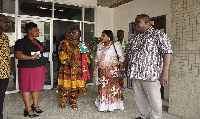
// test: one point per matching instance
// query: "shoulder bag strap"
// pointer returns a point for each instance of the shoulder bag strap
(116, 51)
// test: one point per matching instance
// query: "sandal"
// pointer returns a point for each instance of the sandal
(74, 107)
(62, 106)
(37, 111)
(26, 113)
(105, 111)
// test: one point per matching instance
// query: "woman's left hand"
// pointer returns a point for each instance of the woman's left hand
(45, 68)
(121, 76)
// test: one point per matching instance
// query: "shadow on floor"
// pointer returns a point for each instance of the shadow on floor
(49, 101)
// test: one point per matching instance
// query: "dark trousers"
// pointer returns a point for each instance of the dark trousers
(3, 87)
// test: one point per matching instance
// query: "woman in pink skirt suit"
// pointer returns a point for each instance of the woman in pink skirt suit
(31, 68)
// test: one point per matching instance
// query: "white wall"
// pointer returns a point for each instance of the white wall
(104, 20)
(126, 13)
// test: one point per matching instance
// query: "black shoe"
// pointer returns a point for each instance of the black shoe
(26, 113)
(139, 118)
(40, 111)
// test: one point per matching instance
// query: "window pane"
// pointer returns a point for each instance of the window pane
(12, 79)
(59, 30)
(89, 14)
(47, 75)
(88, 37)
(35, 8)
(89, 32)
(7, 6)
(67, 12)
(10, 32)
(61, 27)
(44, 29)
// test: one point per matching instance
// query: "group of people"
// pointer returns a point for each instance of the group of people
(145, 59)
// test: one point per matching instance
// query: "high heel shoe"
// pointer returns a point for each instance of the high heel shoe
(33, 108)
(26, 113)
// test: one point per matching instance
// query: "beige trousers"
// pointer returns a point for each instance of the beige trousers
(148, 98)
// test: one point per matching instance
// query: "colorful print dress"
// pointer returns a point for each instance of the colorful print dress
(109, 94)
(71, 81)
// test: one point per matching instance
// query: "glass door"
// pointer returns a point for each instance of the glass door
(45, 26)
(10, 32)
(60, 28)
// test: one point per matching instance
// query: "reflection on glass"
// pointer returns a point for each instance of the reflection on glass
(61, 27)
(46, 43)
(7, 8)
(67, 12)
(88, 37)
(59, 30)
(89, 14)
(44, 29)
(47, 76)
(89, 32)
(12, 80)
(10, 32)
(35, 8)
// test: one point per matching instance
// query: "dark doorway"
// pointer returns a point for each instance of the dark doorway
(159, 23)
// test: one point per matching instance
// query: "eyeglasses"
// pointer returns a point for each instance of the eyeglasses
(5, 21)
(74, 33)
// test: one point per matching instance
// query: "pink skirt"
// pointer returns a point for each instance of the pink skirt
(31, 79)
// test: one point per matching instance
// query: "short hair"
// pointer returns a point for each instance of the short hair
(109, 33)
(145, 16)
(118, 31)
(1, 15)
(76, 29)
(29, 26)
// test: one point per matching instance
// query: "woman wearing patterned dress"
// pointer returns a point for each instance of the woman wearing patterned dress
(73, 72)
(108, 59)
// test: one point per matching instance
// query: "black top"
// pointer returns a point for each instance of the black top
(26, 46)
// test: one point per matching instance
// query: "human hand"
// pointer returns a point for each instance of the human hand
(35, 57)
(121, 76)
(164, 79)
(72, 64)
(45, 68)
(94, 73)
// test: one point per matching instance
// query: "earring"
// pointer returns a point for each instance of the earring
(109, 39)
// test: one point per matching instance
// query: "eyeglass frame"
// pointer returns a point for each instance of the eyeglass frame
(3, 21)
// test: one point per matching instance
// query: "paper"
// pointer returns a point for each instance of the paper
(37, 53)
(83, 47)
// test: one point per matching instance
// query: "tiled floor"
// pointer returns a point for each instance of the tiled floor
(49, 101)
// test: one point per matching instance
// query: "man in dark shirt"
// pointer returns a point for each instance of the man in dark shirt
(5, 61)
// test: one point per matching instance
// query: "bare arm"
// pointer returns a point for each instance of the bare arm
(88, 53)
(125, 63)
(164, 76)
(95, 67)
(19, 55)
